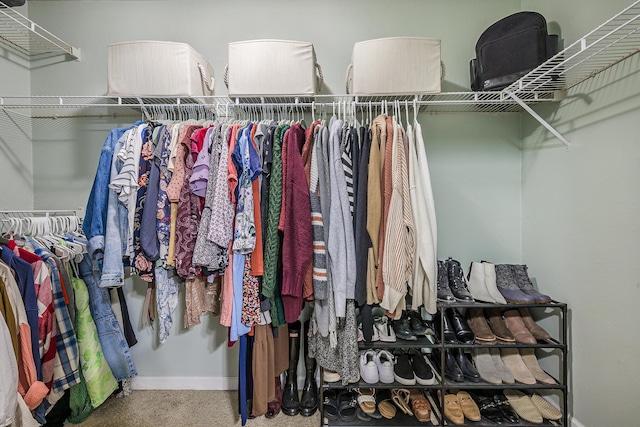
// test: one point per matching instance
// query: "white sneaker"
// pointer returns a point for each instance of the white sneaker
(369, 367)
(330, 376)
(383, 327)
(374, 337)
(384, 362)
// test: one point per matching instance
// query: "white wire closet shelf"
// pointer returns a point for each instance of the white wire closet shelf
(28, 38)
(615, 40)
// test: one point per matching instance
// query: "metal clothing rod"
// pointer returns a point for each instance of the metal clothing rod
(42, 211)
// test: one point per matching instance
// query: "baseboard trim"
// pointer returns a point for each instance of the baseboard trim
(184, 383)
(576, 423)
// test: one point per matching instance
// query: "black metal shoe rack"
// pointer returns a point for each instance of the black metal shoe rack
(556, 346)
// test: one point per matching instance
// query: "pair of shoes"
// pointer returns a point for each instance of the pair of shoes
(411, 368)
(495, 407)
(367, 404)
(376, 366)
(454, 327)
(418, 325)
(524, 366)
(451, 284)
(498, 325)
(482, 283)
(525, 407)
(457, 367)
(515, 285)
(419, 405)
(516, 326)
(479, 326)
(383, 329)
(402, 328)
(491, 367)
(460, 405)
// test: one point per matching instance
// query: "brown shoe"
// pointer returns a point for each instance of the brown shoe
(531, 362)
(533, 327)
(273, 407)
(452, 409)
(499, 328)
(518, 329)
(479, 326)
(469, 407)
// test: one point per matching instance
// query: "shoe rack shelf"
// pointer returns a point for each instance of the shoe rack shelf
(557, 345)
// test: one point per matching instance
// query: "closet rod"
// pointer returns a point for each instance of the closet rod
(42, 211)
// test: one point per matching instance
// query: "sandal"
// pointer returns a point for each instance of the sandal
(400, 397)
(367, 399)
(386, 408)
(347, 405)
(420, 405)
(330, 404)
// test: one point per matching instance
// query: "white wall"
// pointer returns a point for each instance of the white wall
(581, 234)
(475, 159)
(16, 164)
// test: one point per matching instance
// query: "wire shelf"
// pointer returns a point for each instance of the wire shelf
(490, 102)
(613, 41)
(28, 38)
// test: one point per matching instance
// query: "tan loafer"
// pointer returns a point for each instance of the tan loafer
(546, 409)
(452, 409)
(469, 407)
(522, 404)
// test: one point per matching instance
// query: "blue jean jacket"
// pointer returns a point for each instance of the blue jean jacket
(95, 219)
(111, 269)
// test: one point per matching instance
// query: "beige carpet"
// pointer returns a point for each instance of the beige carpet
(170, 408)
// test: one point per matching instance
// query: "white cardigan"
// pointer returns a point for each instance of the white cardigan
(425, 265)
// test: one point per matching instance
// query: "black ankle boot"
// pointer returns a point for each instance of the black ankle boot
(309, 400)
(290, 399)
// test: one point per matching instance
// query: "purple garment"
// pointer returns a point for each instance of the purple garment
(188, 216)
(200, 176)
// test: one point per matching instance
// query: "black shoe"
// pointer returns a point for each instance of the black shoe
(488, 408)
(290, 399)
(457, 282)
(464, 334)
(448, 335)
(468, 370)
(423, 373)
(444, 292)
(505, 408)
(451, 369)
(402, 369)
(418, 325)
(309, 399)
(403, 330)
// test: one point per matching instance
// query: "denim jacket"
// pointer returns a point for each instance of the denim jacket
(95, 219)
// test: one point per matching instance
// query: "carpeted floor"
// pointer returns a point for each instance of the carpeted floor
(170, 408)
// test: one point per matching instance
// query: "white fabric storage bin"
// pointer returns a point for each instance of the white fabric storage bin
(395, 65)
(271, 68)
(158, 69)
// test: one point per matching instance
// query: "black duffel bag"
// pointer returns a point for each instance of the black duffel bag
(509, 49)
(11, 3)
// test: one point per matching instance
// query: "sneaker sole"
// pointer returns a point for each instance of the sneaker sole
(405, 381)
(430, 381)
